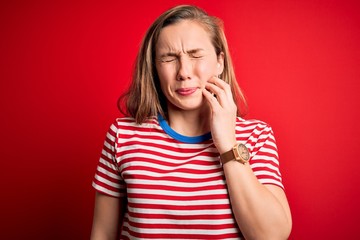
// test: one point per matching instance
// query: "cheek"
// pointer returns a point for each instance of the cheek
(165, 77)
(164, 85)
(166, 73)
(206, 70)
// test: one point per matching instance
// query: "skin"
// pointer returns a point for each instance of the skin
(107, 216)
(186, 63)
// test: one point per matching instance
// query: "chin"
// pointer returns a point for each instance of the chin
(192, 105)
(189, 103)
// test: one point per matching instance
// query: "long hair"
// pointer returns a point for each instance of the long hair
(144, 97)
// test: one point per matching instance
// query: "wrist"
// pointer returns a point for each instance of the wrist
(226, 146)
(238, 153)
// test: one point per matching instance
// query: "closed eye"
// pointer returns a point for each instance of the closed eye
(196, 55)
(168, 59)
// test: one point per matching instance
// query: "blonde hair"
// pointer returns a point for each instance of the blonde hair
(144, 97)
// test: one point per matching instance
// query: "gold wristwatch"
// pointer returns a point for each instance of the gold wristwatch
(239, 153)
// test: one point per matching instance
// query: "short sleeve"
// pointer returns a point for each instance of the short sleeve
(107, 179)
(264, 156)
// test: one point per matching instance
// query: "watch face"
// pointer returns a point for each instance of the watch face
(244, 152)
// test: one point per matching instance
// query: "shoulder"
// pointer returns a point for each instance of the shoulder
(129, 123)
(254, 131)
(252, 124)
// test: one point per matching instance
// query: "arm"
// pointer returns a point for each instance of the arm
(107, 217)
(261, 211)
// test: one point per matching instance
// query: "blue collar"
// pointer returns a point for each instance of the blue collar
(196, 139)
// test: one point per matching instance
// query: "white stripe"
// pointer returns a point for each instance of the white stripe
(166, 142)
(249, 130)
(142, 238)
(180, 212)
(108, 164)
(184, 230)
(265, 158)
(271, 181)
(156, 150)
(169, 168)
(149, 134)
(107, 173)
(267, 173)
(109, 146)
(111, 137)
(185, 222)
(180, 203)
(177, 193)
(133, 124)
(105, 190)
(107, 154)
(263, 137)
(107, 182)
(176, 184)
(270, 151)
(266, 165)
(250, 126)
(269, 143)
(167, 159)
(175, 174)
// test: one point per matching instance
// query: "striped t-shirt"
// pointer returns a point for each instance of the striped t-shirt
(173, 185)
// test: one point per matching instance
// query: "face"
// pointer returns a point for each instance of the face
(185, 61)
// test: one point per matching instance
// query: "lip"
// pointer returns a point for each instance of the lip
(186, 91)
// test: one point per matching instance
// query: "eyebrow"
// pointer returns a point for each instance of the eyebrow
(173, 54)
(194, 50)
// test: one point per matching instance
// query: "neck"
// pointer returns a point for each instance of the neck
(189, 123)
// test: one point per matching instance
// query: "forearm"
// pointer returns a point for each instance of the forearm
(108, 214)
(99, 234)
(258, 212)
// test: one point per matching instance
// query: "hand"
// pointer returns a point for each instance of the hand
(222, 113)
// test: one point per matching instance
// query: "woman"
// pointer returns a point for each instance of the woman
(183, 165)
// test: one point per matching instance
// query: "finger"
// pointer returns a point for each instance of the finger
(220, 93)
(213, 102)
(222, 90)
(223, 85)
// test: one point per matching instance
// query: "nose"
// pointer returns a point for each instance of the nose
(184, 69)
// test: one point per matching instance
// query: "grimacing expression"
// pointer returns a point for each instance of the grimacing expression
(185, 61)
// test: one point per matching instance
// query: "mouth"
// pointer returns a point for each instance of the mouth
(186, 91)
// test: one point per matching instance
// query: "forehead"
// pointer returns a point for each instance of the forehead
(184, 35)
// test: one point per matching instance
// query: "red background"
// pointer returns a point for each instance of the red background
(64, 64)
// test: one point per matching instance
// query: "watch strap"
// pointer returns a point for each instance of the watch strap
(234, 154)
(227, 156)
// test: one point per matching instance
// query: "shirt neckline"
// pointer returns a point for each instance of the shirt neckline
(182, 138)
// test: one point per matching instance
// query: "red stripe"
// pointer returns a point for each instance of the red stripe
(174, 179)
(169, 156)
(108, 187)
(178, 207)
(185, 188)
(181, 236)
(177, 226)
(175, 170)
(181, 217)
(178, 198)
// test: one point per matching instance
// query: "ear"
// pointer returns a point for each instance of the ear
(220, 63)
